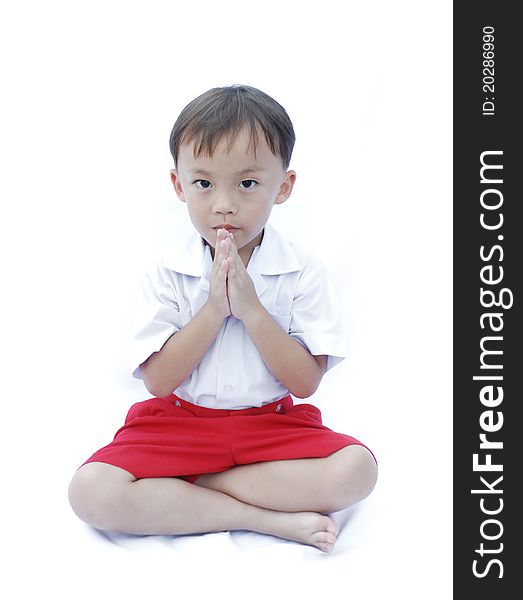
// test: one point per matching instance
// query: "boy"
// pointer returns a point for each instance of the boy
(233, 322)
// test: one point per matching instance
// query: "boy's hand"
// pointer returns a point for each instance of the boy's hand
(218, 299)
(243, 298)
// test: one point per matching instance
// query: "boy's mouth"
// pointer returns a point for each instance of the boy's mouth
(227, 227)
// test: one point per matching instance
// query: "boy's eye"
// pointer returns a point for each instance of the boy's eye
(248, 184)
(203, 184)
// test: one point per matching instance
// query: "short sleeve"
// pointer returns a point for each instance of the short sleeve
(156, 317)
(315, 321)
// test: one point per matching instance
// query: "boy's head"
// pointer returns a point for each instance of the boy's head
(223, 112)
(231, 148)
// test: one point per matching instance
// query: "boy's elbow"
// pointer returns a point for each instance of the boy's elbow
(152, 385)
(301, 395)
(306, 386)
(152, 382)
(305, 389)
(157, 389)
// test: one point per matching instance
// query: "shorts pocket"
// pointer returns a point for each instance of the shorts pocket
(308, 412)
(140, 409)
(156, 407)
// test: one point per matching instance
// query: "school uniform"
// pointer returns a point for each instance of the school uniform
(231, 410)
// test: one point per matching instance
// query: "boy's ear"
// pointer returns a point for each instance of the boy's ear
(177, 185)
(286, 187)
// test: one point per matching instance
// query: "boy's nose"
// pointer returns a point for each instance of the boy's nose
(223, 204)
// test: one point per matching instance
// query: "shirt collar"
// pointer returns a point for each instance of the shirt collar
(274, 256)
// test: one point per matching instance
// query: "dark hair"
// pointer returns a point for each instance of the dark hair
(224, 111)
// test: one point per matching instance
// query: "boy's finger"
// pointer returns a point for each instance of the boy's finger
(231, 241)
(221, 268)
(233, 249)
(218, 246)
(220, 251)
(225, 247)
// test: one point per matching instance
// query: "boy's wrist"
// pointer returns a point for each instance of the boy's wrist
(212, 313)
(254, 315)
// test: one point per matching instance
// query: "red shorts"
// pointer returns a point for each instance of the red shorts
(169, 437)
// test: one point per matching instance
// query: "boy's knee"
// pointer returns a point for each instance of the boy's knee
(366, 470)
(94, 493)
(356, 473)
(361, 471)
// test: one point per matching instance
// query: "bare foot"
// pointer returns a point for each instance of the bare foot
(308, 528)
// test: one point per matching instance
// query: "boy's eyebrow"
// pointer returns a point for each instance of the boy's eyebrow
(253, 169)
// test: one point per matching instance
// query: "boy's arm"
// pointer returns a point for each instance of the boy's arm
(165, 370)
(289, 361)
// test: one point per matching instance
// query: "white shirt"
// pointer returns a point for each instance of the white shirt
(291, 285)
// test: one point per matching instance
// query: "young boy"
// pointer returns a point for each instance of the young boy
(233, 322)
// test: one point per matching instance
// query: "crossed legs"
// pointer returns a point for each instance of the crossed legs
(283, 498)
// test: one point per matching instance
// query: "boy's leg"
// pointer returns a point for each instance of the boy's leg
(111, 498)
(318, 484)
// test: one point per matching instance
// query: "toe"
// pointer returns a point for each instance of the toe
(326, 546)
(324, 540)
(332, 528)
(330, 525)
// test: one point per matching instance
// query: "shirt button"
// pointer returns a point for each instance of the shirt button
(228, 388)
(177, 403)
(278, 408)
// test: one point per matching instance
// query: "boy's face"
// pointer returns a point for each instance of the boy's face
(232, 188)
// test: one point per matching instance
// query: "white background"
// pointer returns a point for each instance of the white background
(90, 93)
